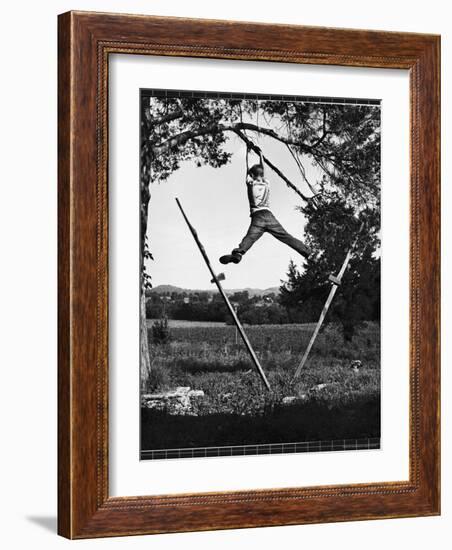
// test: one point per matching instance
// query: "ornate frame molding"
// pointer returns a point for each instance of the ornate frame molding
(85, 42)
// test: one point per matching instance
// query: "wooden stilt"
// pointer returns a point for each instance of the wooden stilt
(226, 299)
(335, 282)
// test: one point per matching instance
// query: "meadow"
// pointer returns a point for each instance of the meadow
(331, 399)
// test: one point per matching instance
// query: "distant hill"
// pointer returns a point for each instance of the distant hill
(164, 289)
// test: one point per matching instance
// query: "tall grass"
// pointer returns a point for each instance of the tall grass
(208, 358)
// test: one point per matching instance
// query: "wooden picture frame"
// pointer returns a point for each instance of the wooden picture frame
(85, 42)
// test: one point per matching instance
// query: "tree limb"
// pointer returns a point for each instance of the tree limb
(301, 169)
(183, 137)
(323, 136)
(275, 169)
(166, 118)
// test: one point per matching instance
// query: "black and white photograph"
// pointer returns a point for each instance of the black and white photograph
(259, 274)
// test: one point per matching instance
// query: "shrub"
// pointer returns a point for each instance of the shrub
(157, 379)
(160, 331)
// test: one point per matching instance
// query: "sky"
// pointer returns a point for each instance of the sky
(215, 201)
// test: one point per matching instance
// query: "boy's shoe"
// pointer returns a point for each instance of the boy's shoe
(307, 253)
(233, 258)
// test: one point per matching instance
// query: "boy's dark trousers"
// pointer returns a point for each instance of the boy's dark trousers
(263, 221)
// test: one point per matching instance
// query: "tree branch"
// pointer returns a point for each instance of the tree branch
(301, 169)
(166, 118)
(275, 169)
(183, 137)
(323, 136)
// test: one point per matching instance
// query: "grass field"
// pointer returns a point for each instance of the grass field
(332, 400)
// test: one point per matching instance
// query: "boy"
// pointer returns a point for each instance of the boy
(262, 219)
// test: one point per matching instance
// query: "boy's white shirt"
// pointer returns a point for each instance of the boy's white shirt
(258, 194)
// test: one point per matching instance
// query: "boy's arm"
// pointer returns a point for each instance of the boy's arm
(262, 161)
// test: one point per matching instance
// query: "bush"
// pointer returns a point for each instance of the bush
(158, 378)
(161, 332)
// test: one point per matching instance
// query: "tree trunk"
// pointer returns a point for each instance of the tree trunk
(145, 362)
(144, 344)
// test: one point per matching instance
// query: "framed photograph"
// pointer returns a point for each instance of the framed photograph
(248, 275)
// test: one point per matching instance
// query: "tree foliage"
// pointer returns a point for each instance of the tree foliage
(330, 231)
